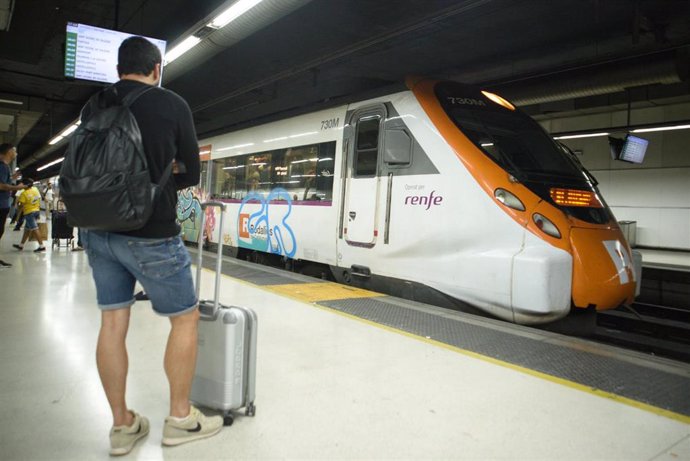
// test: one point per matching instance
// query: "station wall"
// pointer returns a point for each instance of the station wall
(656, 193)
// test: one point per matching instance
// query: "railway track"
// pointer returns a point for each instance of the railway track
(659, 330)
(658, 322)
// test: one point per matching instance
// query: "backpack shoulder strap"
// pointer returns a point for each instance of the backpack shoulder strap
(134, 95)
(167, 173)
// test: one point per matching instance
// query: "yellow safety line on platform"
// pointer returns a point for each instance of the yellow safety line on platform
(320, 291)
(302, 295)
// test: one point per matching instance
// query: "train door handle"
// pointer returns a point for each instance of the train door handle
(353, 215)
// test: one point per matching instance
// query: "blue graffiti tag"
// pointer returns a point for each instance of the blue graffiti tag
(188, 206)
(276, 241)
(189, 214)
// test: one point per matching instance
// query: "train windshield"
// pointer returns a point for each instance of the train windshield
(517, 143)
(512, 139)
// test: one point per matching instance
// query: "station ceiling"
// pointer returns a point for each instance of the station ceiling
(289, 56)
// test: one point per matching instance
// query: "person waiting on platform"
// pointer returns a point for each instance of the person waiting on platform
(30, 204)
(7, 155)
(167, 133)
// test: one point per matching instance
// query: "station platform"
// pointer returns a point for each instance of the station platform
(665, 259)
(342, 374)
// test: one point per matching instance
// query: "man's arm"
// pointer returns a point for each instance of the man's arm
(187, 150)
(10, 187)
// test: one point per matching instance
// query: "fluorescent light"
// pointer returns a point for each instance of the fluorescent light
(489, 144)
(11, 101)
(65, 132)
(69, 130)
(661, 128)
(235, 11)
(186, 45)
(575, 136)
(54, 162)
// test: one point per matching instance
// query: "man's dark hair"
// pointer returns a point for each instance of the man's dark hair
(5, 148)
(137, 56)
(28, 181)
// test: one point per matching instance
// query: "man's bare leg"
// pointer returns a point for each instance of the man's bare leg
(180, 360)
(113, 363)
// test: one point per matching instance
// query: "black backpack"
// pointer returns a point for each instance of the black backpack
(104, 179)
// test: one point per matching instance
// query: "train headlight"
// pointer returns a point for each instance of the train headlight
(546, 226)
(508, 199)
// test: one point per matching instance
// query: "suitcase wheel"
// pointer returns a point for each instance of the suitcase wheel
(250, 410)
(228, 419)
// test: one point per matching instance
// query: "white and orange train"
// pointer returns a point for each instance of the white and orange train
(438, 192)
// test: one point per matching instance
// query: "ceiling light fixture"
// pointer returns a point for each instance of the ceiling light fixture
(184, 46)
(65, 132)
(56, 140)
(233, 12)
(47, 165)
(11, 101)
(575, 136)
(661, 128)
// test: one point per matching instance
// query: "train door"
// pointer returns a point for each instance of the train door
(359, 225)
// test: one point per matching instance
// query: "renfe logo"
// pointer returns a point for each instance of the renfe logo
(424, 200)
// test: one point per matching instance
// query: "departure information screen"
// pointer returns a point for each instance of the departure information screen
(634, 149)
(91, 52)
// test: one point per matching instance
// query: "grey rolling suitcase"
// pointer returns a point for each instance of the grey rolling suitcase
(225, 377)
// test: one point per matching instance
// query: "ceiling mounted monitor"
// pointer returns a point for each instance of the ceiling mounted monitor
(631, 149)
(91, 52)
(634, 149)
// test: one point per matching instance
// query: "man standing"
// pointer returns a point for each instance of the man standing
(154, 255)
(30, 205)
(7, 155)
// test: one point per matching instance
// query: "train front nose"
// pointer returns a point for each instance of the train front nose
(603, 272)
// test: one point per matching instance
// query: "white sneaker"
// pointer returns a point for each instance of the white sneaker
(123, 438)
(194, 427)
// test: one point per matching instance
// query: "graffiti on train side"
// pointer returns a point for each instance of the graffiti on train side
(263, 223)
(189, 214)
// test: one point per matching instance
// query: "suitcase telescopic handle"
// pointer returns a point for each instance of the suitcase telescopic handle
(219, 258)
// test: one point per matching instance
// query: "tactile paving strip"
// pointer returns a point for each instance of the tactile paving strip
(256, 276)
(643, 384)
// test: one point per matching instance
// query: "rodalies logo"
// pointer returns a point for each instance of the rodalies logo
(267, 228)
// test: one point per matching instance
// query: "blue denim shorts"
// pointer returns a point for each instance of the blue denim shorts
(162, 266)
(31, 220)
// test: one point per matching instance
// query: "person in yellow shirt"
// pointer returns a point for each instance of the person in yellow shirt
(30, 202)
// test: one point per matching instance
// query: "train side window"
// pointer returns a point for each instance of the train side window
(258, 173)
(300, 168)
(227, 178)
(367, 145)
(325, 168)
(397, 148)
